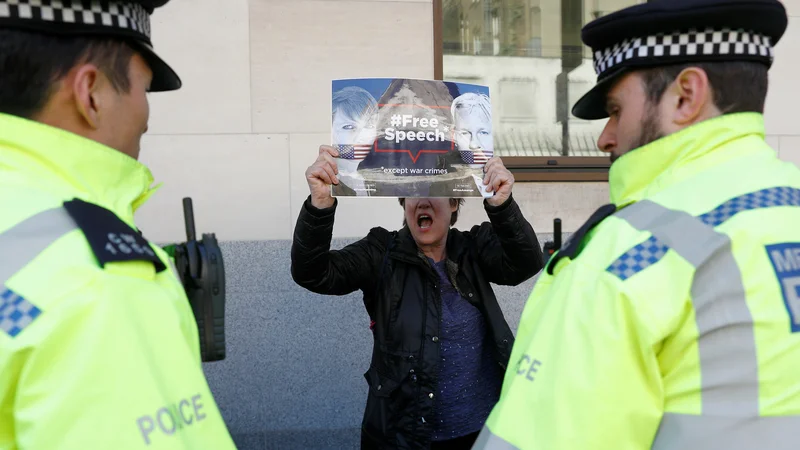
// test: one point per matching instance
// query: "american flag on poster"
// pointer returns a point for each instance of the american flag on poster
(354, 152)
(470, 157)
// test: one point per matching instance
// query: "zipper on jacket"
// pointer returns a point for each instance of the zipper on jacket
(437, 298)
(422, 350)
(435, 281)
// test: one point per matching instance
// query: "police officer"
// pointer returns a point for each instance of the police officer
(671, 319)
(98, 345)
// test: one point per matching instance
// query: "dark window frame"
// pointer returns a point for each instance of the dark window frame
(528, 168)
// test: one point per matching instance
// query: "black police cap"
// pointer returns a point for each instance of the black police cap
(665, 32)
(125, 19)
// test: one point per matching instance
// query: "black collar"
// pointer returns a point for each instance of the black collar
(406, 248)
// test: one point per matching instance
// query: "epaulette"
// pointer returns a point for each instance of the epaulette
(109, 236)
(572, 246)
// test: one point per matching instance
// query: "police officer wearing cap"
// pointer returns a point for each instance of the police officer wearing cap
(671, 319)
(98, 345)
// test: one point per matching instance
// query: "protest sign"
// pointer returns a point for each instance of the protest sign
(410, 137)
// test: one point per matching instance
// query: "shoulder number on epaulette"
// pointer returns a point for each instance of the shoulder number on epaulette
(111, 239)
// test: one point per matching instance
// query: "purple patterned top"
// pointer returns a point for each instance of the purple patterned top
(469, 379)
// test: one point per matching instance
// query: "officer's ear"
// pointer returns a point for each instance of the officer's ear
(88, 90)
(691, 97)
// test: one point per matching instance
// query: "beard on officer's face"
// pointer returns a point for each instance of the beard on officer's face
(649, 131)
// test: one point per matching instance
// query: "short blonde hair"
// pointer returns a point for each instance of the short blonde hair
(354, 102)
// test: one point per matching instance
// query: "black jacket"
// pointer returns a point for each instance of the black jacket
(402, 298)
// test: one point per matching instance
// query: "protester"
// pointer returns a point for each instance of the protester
(441, 341)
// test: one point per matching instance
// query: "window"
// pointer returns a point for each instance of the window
(530, 55)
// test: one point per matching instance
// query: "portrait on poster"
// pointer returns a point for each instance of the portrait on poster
(410, 137)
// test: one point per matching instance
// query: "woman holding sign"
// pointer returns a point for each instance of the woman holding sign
(441, 343)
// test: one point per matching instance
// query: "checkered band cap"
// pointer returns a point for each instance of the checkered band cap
(115, 15)
(121, 19)
(684, 46)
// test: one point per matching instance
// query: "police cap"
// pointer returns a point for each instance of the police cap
(125, 19)
(665, 32)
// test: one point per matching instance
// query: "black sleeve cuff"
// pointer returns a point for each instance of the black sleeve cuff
(320, 213)
(493, 210)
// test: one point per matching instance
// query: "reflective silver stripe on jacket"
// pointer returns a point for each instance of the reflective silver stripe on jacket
(651, 251)
(20, 244)
(727, 349)
(489, 441)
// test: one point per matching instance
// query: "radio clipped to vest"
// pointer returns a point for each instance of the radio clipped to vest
(202, 273)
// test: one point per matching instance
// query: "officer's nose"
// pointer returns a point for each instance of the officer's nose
(608, 138)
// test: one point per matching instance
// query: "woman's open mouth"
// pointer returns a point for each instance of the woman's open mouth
(424, 221)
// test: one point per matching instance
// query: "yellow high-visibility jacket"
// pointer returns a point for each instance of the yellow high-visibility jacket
(670, 320)
(99, 347)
